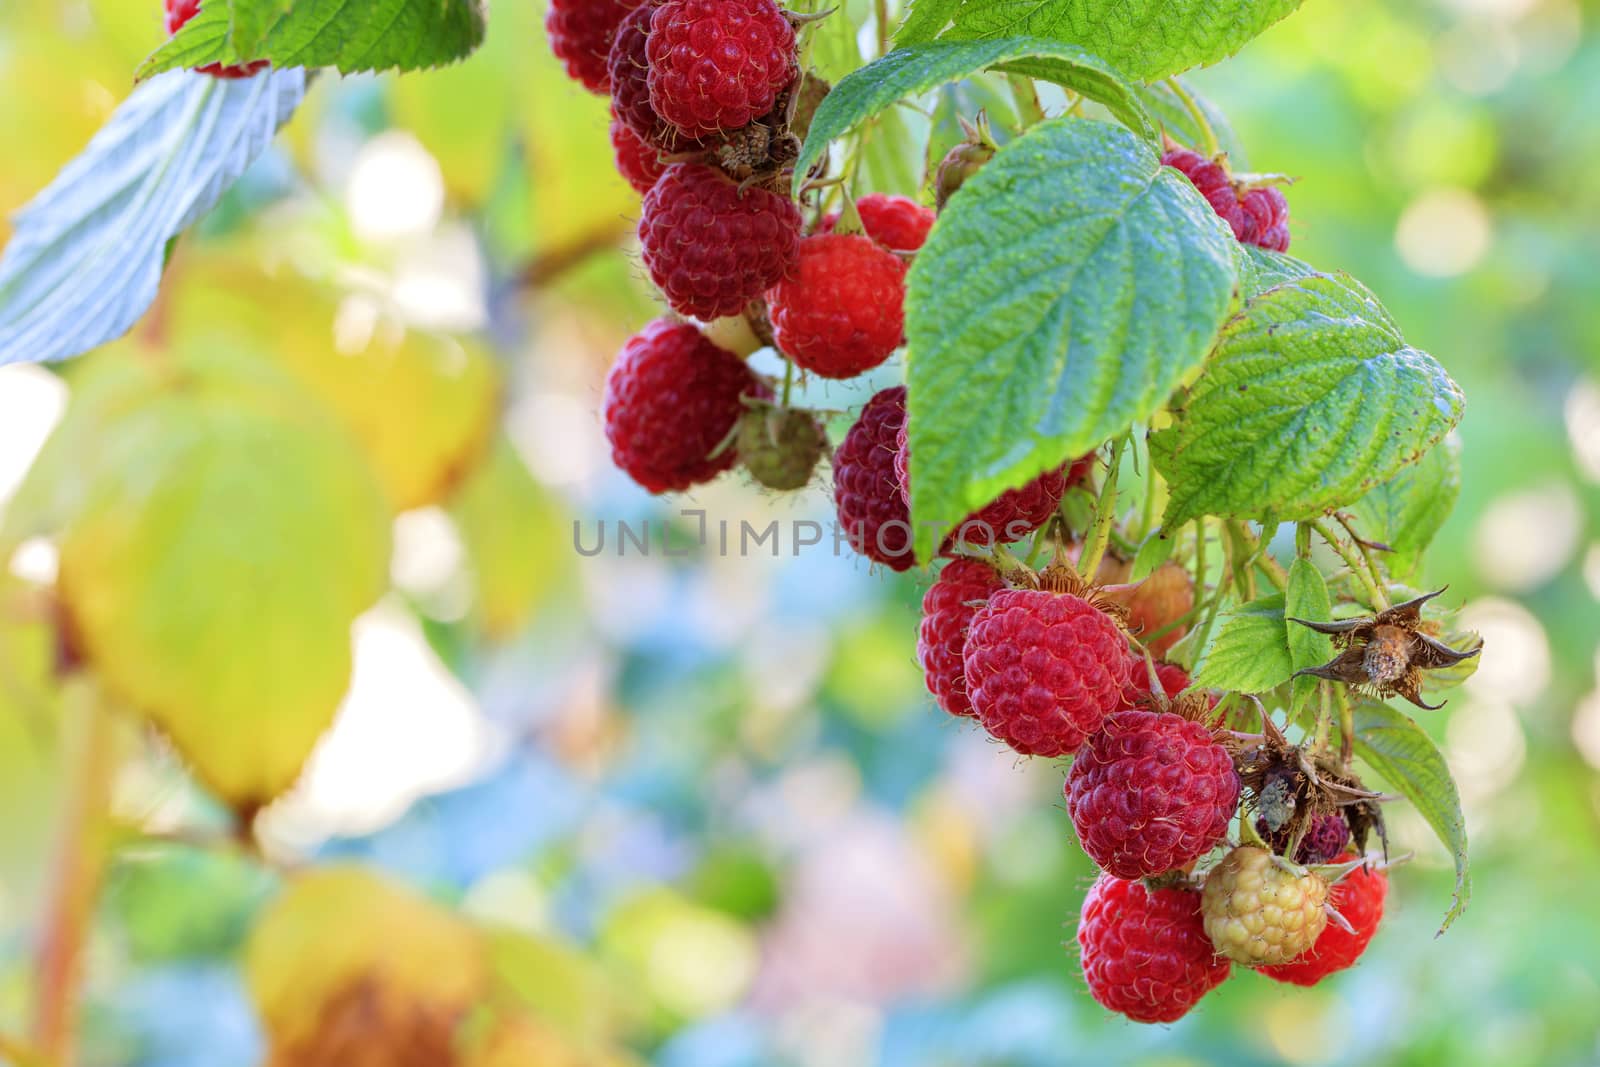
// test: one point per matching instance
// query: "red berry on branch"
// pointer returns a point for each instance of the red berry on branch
(629, 70)
(1145, 952)
(581, 32)
(841, 311)
(898, 223)
(947, 609)
(1044, 669)
(179, 12)
(672, 399)
(866, 492)
(1150, 792)
(638, 162)
(712, 247)
(1358, 899)
(1257, 216)
(718, 65)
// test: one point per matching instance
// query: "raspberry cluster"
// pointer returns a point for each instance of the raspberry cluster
(1257, 214)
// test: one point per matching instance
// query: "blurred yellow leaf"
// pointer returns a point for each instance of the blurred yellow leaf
(220, 535)
(512, 531)
(559, 986)
(422, 405)
(345, 965)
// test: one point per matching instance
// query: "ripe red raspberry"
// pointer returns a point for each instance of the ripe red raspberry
(628, 66)
(947, 608)
(718, 64)
(842, 310)
(179, 12)
(1258, 216)
(866, 492)
(581, 32)
(1044, 669)
(1145, 952)
(712, 247)
(637, 161)
(671, 399)
(1012, 515)
(1174, 680)
(1149, 792)
(1359, 899)
(898, 223)
(1325, 839)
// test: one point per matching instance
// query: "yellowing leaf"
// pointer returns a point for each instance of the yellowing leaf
(341, 939)
(513, 533)
(422, 405)
(223, 535)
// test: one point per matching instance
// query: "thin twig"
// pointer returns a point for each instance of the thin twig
(1375, 594)
(552, 263)
(1212, 145)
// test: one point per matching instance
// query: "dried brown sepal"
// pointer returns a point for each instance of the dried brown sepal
(1387, 654)
(368, 1026)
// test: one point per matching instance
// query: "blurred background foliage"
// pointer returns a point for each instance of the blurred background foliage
(700, 808)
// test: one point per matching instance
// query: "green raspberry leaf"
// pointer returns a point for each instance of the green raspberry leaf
(1398, 749)
(909, 71)
(1249, 650)
(88, 252)
(348, 36)
(1063, 295)
(1145, 39)
(1155, 551)
(1261, 269)
(1407, 510)
(925, 20)
(1311, 399)
(1306, 597)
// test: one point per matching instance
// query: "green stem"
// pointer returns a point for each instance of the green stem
(1147, 513)
(1027, 98)
(1375, 594)
(1324, 715)
(1361, 546)
(788, 381)
(1347, 728)
(1212, 145)
(882, 12)
(1105, 513)
(1199, 557)
(1241, 556)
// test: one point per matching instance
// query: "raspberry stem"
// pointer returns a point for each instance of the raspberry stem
(1105, 512)
(1212, 145)
(1375, 594)
(1027, 97)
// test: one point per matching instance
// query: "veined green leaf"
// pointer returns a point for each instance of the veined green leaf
(1249, 649)
(1071, 285)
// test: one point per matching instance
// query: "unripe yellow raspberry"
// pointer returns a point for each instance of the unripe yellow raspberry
(1262, 910)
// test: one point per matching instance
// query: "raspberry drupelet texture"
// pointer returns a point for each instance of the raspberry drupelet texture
(638, 162)
(581, 32)
(1325, 839)
(179, 12)
(841, 311)
(1359, 898)
(671, 399)
(947, 609)
(1174, 680)
(1012, 515)
(629, 68)
(1258, 216)
(1149, 792)
(1259, 911)
(1145, 952)
(1044, 669)
(718, 65)
(866, 491)
(712, 247)
(898, 223)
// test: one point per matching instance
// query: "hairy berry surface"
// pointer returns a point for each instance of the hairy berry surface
(671, 399)
(718, 65)
(866, 491)
(947, 609)
(581, 32)
(712, 247)
(637, 161)
(1145, 952)
(1258, 912)
(1258, 216)
(1044, 669)
(1359, 899)
(1150, 792)
(898, 223)
(841, 311)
